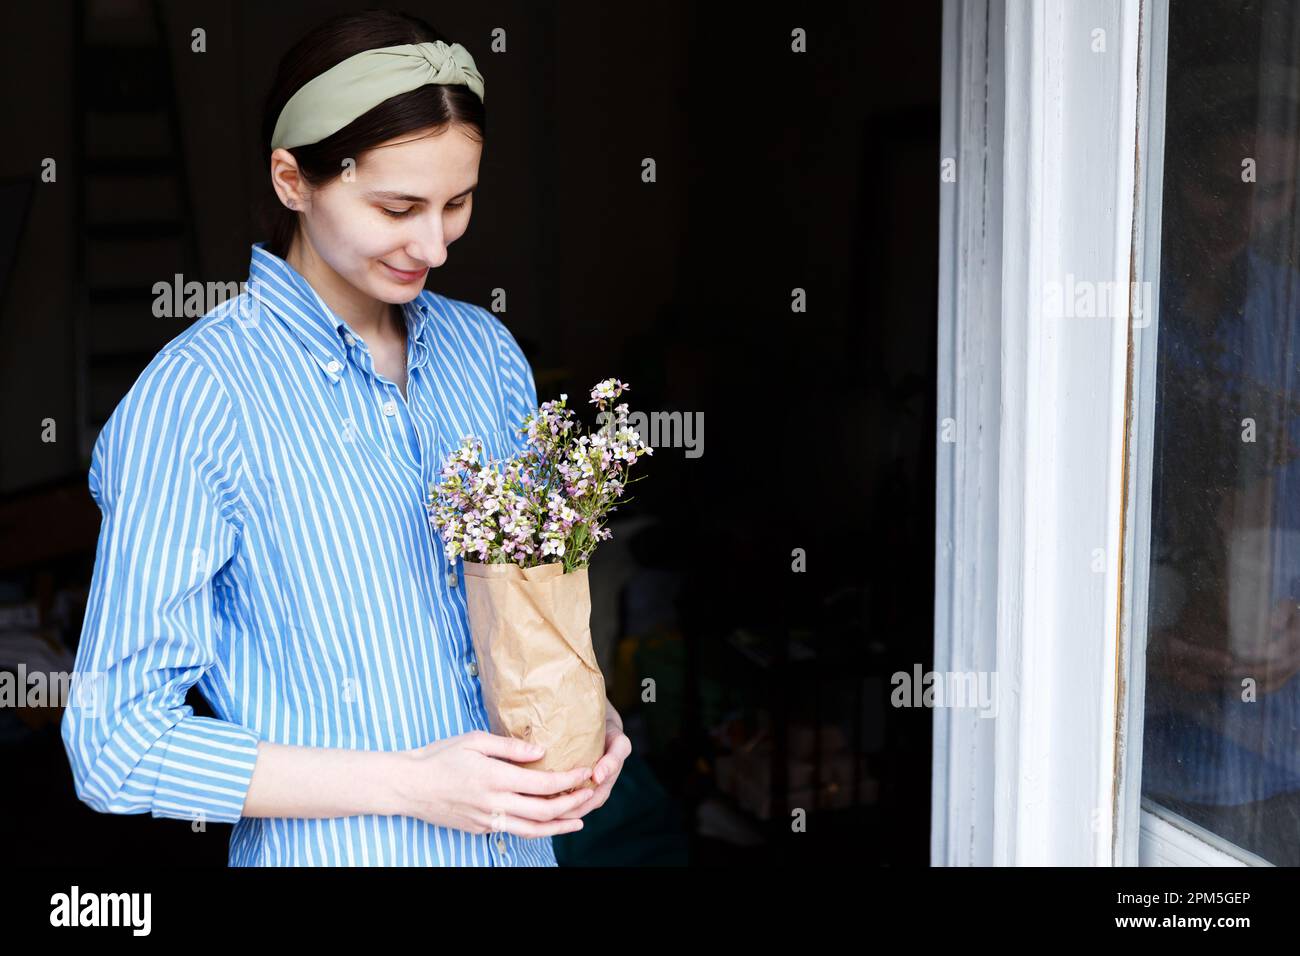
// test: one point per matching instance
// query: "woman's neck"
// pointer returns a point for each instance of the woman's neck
(369, 318)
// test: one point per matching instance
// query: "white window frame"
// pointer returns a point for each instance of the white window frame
(1046, 434)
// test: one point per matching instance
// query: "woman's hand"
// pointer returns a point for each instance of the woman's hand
(1186, 657)
(1281, 658)
(468, 783)
(608, 767)
(1175, 655)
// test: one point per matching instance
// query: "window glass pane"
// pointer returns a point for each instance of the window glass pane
(1222, 733)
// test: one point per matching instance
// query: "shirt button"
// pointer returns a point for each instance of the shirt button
(501, 844)
(472, 667)
(334, 365)
(390, 407)
(350, 339)
(452, 580)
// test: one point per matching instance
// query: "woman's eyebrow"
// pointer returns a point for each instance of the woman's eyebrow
(407, 197)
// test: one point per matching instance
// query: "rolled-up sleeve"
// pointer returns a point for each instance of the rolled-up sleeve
(167, 474)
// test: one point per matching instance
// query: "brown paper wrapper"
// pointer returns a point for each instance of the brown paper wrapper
(531, 629)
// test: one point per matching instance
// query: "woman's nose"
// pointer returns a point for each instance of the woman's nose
(428, 247)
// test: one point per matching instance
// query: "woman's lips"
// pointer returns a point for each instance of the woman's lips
(404, 275)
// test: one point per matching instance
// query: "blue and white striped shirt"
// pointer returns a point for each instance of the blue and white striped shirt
(264, 537)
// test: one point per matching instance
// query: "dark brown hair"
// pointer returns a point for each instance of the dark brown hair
(435, 106)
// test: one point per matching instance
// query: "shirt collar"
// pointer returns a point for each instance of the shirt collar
(283, 290)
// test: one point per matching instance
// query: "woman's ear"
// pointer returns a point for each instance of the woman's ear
(286, 180)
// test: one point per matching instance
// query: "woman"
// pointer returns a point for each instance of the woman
(262, 486)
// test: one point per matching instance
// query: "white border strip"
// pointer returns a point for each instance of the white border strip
(1146, 268)
(970, 212)
(1070, 142)
(1039, 458)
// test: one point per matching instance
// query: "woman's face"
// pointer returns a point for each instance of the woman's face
(383, 225)
(1223, 214)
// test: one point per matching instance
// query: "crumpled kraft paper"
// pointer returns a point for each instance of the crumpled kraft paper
(531, 629)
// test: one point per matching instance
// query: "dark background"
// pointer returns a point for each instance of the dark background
(775, 171)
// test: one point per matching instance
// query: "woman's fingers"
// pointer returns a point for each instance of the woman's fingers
(515, 779)
(542, 809)
(607, 769)
(598, 798)
(502, 822)
(539, 782)
(507, 748)
(1284, 612)
(617, 749)
(1197, 655)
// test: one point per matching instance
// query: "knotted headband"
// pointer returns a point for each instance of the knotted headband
(329, 102)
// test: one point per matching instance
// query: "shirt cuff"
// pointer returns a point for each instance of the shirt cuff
(205, 772)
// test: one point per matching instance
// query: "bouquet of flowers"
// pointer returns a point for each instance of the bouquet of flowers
(526, 528)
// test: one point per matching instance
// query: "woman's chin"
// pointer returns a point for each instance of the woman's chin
(395, 293)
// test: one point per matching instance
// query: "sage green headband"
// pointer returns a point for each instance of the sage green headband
(329, 102)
